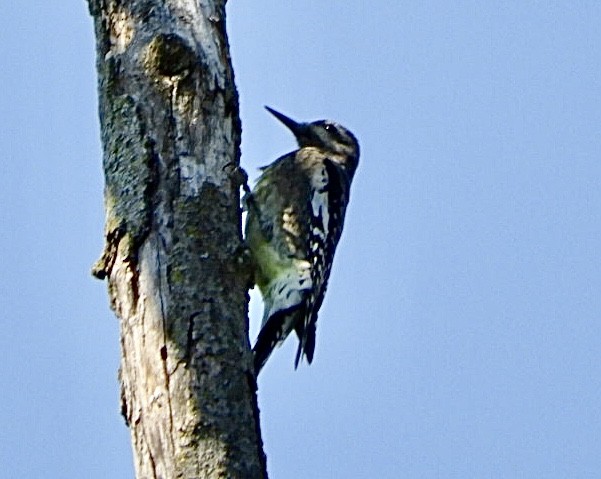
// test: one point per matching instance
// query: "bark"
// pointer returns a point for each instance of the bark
(173, 255)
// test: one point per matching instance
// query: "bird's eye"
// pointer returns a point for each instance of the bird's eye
(328, 127)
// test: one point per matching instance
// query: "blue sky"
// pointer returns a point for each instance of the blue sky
(461, 333)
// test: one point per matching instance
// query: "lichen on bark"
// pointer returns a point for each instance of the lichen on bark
(129, 179)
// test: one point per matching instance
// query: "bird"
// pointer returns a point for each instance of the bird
(295, 217)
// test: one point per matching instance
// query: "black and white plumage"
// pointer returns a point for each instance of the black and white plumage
(295, 219)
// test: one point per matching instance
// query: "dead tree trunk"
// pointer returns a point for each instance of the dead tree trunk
(172, 258)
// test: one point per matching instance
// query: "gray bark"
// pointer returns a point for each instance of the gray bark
(173, 255)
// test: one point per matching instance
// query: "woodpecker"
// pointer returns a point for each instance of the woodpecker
(295, 218)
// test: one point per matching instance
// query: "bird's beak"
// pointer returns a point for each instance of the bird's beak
(296, 128)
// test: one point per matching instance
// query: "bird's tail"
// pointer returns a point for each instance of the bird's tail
(273, 333)
(306, 342)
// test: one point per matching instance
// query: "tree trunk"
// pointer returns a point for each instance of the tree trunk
(173, 256)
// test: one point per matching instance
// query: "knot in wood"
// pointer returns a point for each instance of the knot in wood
(170, 55)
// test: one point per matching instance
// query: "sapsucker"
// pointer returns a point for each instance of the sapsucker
(295, 219)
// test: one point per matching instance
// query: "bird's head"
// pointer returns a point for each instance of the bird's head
(326, 135)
